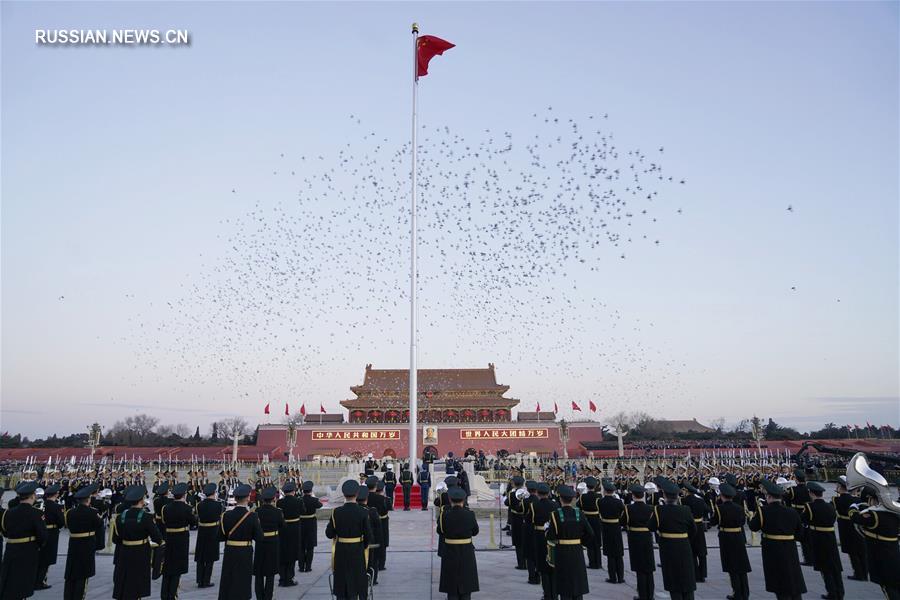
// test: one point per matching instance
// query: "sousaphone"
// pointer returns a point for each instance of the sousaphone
(860, 474)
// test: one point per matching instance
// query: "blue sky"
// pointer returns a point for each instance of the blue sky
(118, 165)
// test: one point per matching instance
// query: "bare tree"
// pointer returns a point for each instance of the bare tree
(621, 421)
(182, 431)
(164, 430)
(718, 424)
(142, 425)
(742, 426)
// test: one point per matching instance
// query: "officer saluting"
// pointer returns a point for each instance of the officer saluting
(308, 527)
(131, 531)
(459, 571)
(239, 528)
(675, 524)
(568, 530)
(730, 518)
(780, 526)
(206, 550)
(23, 527)
(54, 521)
(83, 523)
(177, 518)
(266, 561)
(350, 534)
(289, 552)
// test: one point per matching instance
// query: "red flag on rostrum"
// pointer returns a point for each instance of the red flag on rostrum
(555, 407)
(321, 408)
(575, 406)
(592, 406)
(287, 411)
(266, 409)
(303, 409)
(427, 47)
(538, 407)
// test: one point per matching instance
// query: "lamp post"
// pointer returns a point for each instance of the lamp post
(94, 439)
(564, 438)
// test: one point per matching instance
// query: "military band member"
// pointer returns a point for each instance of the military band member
(819, 517)
(83, 523)
(568, 530)
(308, 527)
(424, 480)
(350, 535)
(636, 520)
(362, 498)
(379, 501)
(881, 528)
(159, 501)
(54, 520)
(515, 518)
(797, 497)
(852, 543)
(730, 519)
(534, 576)
(700, 510)
(206, 550)
(132, 531)
(780, 527)
(290, 552)
(588, 504)
(539, 517)
(406, 481)
(390, 482)
(266, 561)
(23, 527)
(177, 519)
(675, 525)
(238, 528)
(611, 510)
(459, 570)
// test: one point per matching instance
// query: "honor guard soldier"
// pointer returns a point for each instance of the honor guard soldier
(797, 497)
(133, 529)
(350, 534)
(611, 510)
(406, 481)
(238, 528)
(177, 518)
(371, 465)
(159, 501)
(636, 520)
(540, 516)
(380, 502)
(390, 482)
(730, 518)
(515, 518)
(700, 509)
(819, 517)
(54, 520)
(852, 543)
(23, 527)
(880, 528)
(588, 504)
(534, 577)
(362, 498)
(206, 551)
(780, 527)
(292, 508)
(83, 523)
(266, 561)
(308, 527)
(567, 532)
(675, 525)
(459, 570)
(424, 479)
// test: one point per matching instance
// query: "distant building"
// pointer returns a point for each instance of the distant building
(660, 427)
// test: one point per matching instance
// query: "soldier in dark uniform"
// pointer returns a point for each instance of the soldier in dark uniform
(819, 517)
(23, 527)
(54, 520)
(700, 510)
(730, 518)
(266, 561)
(636, 520)
(380, 502)
(159, 501)
(370, 466)
(459, 570)
(424, 479)
(83, 523)
(534, 577)
(390, 482)
(882, 553)
(611, 509)
(780, 527)
(293, 510)
(515, 519)
(308, 527)
(362, 498)
(852, 543)
(675, 525)
(350, 535)
(540, 516)
(206, 550)
(588, 504)
(131, 531)
(238, 528)
(406, 481)
(797, 497)
(568, 530)
(177, 519)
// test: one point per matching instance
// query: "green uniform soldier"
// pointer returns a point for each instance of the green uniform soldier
(636, 520)
(675, 525)
(206, 549)
(350, 535)
(568, 530)
(177, 518)
(730, 518)
(238, 528)
(83, 522)
(266, 562)
(290, 551)
(133, 529)
(459, 570)
(54, 520)
(23, 527)
(781, 527)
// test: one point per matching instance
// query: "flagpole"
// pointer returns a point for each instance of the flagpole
(413, 372)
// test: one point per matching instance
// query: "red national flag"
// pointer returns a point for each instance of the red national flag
(538, 407)
(592, 406)
(287, 411)
(575, 406)
(322, 408)
(427, 47)
(555, 408)
(303, 409)
(266, 409)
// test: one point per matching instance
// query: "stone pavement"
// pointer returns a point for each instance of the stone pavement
(413, 571)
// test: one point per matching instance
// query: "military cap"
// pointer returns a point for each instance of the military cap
(608, 486)
(51, 490)
(135, 493)
(163, 488)
(268, 494)
(451, 481)
(26, 488)
(727, 490)
(308, 486)
(543, 488)
(518, 480)
(180, 490)
(363, 493)
(566, 492)
(242, 491)
(290, 486)
(350, 488)
(371, 482)
(686, 485)
(531, 485)
(379, 486)
(730, 479)
(456, 494)
(813, 486)
(85, 492)
(800, 474)
(590, 481)
(637, 489)
(209, 489)
(772, 488)
(667, 486)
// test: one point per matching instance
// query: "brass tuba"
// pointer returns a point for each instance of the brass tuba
(860, 474)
